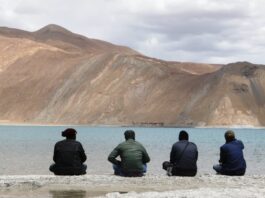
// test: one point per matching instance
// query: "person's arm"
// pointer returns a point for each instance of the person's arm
(112, 156)
(54, 154)
(82, 153)
(172, 155)
(146, 157)
(222, 155)
(242, 145)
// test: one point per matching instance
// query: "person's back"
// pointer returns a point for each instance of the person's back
(186, 160)
(69, 156)
(133, 158)
(68, 153)
(183, 157)
(232, 160)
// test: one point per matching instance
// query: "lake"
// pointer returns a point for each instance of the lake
(28, 150)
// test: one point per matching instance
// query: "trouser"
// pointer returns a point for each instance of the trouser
(220, 170)
(177, 171)
(59, 170)
(118, 171)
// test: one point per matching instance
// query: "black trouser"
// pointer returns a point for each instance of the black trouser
(59, 170)
(176, 171)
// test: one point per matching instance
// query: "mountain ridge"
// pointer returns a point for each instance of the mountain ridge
(54, 76)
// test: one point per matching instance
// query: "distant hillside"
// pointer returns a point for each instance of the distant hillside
(54, 76)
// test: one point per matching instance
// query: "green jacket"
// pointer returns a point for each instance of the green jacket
(133, 155)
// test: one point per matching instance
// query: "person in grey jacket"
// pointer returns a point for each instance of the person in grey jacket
(133, 157)
(69, 155)
(183, 157)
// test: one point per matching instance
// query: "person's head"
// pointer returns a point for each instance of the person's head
(183, 135)
(129, 134)
(69, 133)
(229, 136)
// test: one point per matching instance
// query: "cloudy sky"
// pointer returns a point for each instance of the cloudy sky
(210, 31)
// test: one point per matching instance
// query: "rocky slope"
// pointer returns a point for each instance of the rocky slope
(55, 76)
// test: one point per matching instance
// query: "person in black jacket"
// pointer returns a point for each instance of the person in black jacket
(183, 157)
(69, 155)
(232, 160)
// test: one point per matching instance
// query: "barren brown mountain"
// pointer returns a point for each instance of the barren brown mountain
(53, 76)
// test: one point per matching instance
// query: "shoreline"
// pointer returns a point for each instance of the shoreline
(202, 185)
(131, 126)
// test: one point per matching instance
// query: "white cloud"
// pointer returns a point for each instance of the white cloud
(218, 31)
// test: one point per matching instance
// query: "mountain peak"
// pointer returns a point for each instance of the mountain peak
(52, 28)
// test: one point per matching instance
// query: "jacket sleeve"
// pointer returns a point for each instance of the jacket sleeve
(112, 156)
(222, 155)
(82, 153)
(55, 154)
(242, 145)
(172, 155)
(146, 157)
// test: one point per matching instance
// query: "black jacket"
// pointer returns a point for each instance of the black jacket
(186, 160)
(69, 156)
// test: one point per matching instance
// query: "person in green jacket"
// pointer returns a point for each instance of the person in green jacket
(133, 157)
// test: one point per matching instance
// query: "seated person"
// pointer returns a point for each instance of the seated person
(232, 160)
(133, 157)
(183, 157)
(69, 155)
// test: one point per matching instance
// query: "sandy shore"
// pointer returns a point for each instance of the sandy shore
(148, 186)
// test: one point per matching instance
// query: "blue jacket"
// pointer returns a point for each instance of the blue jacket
(232, 158)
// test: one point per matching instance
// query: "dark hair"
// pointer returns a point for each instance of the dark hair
(69, 133)
(129, 134)
(229, 136)
(183, 135)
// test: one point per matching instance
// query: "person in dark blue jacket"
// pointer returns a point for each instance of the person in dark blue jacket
(183, 157)
(232, 160)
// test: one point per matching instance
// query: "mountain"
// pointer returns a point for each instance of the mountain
(54, 76)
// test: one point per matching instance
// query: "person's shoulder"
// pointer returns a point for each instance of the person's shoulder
(225, 145)
(193, 144)
(139, 143)
(60, 142)
(136, 142)
(121, 144)
(239, 141)
(176, 144)
(77, 142)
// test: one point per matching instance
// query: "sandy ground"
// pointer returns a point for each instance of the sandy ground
(40, 186)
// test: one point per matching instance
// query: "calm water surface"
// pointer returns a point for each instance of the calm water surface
(29, 149)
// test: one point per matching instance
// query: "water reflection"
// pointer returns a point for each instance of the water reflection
(68, 194)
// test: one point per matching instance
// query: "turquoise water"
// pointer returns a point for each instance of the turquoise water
(29, 149)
